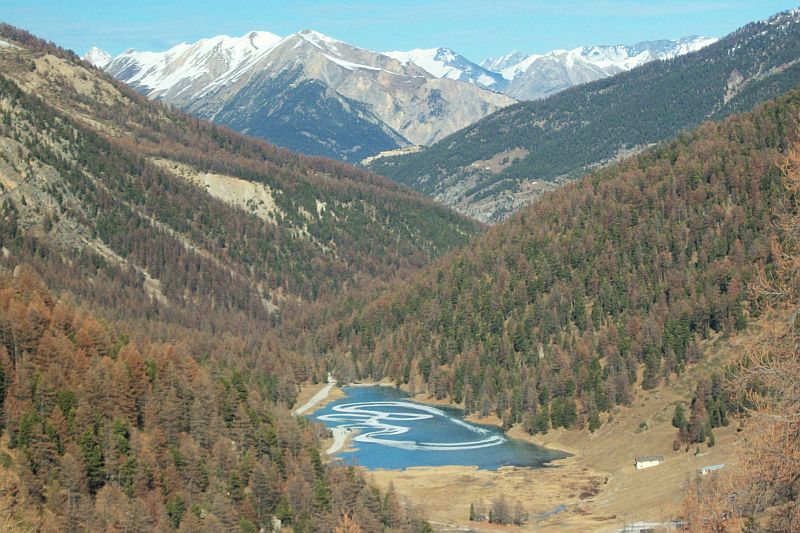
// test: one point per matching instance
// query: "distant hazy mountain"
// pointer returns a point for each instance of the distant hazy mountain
(497, 64)
(492, 168)
(530, 77)
(308, 92)
(445, 63)
(538, 76)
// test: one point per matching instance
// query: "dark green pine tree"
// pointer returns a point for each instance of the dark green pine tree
(679, 418)
(594, 420)
(93, 459)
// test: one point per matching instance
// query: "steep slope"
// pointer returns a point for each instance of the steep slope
(539, 76)
(760, 493)
(109, 428)
(610, 284)
(97, 181)
(445, 63)
(308, 92)
(492, 168)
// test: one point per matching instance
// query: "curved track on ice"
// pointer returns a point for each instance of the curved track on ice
(376, 425)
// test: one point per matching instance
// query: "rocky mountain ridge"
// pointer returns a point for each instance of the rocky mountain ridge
(315, 94)
(308, 92)
(538, 76)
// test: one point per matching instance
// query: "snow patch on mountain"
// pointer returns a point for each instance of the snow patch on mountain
(349, 65)
(431, 59)
(497, 64)
(320, 40)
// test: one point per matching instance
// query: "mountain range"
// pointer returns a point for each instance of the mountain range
(492, 168)
(538, 76)
(307, 92)
(321, 96)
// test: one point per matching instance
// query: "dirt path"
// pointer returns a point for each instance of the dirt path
(339, 439)
(317, 398)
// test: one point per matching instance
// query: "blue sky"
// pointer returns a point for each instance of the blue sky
(475, 28)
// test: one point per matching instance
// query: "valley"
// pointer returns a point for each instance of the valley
(559, 294)
(597, 484)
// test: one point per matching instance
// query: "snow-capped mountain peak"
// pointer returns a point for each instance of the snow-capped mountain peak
(538, 76)
(97, 57)
(319, 39)
(214, 60)
(498, 64)
(298, 89)
(445, 63)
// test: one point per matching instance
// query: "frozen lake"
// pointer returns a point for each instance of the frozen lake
(394, 432)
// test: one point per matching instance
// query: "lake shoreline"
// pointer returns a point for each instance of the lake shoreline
(342, 440)
(516, 431)
(411, 432)
(598, 485)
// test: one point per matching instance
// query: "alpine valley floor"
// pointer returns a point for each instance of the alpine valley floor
(598, 486)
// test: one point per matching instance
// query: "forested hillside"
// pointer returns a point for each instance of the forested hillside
(169, 210)
(107, 429)
(143, 255)
(761, 495)
(485, 170)
(609, 284)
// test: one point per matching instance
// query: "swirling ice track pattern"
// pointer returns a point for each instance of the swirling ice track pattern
(375, 425)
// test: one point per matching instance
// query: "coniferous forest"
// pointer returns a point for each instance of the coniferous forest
(547, 319)
(115, 431)
(143, 387)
